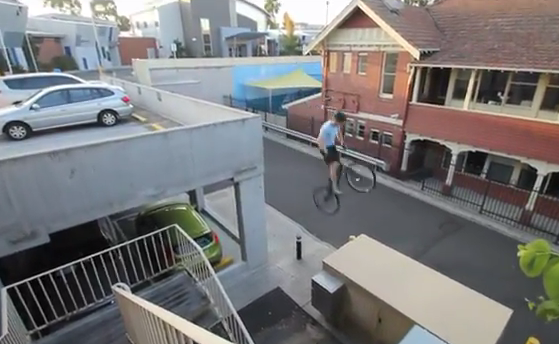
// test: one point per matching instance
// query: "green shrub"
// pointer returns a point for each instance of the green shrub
(64, 63)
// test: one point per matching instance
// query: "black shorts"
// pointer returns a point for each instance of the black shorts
(331, 155)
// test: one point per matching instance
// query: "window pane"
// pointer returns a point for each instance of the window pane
(492, 87)
(551, 99)
(53, 99)
(499, 172)
(82, 95)
(530, 78)
(207, 49)
(475, 163)
(390, 62)
(62, 80)
(206, 38)
(346, 58)
(387, 139)
(527, 178)
(554, 79)
(349, 127)
(333, 62)
(374, 136)
(521, 94)
(205, 24)
(360, 130)
(388, 84)
(362, 64)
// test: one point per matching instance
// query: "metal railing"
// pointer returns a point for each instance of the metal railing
(312, 141)
(46, 299)
(42, 301)
(193, 259)
(147, 323)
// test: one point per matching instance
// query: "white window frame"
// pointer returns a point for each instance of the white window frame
(352, 122)
(387, 133)
(206, 31)
(364, 126)
(360, 58)
(333, 62)
(346, 62)
(548, 84)
(371, 131)
(381, 93)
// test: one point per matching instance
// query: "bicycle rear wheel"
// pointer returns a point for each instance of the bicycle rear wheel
(326, 201)
(361, 178)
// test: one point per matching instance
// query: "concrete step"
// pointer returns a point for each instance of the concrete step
(177, 293)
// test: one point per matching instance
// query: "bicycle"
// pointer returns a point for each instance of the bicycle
(355, 174)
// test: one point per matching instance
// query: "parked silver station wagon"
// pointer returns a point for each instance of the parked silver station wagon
(65, 105)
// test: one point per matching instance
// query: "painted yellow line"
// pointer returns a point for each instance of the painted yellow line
(225, 262)
(157, 126)
(139, 118)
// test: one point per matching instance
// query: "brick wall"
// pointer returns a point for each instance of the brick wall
(135, 48)
(48, 48)
(515, 136)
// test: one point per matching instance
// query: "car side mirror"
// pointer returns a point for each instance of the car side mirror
(35, 107)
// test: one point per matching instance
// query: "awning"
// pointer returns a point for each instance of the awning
(246, 36)
(296, 79)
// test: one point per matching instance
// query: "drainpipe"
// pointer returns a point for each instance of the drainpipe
(325, 59)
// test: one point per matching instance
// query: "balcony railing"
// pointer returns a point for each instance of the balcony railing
(41, 302)
(147, 323)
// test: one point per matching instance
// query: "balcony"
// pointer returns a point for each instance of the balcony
(468, 107)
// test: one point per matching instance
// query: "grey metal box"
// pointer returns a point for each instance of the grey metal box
(327, 294)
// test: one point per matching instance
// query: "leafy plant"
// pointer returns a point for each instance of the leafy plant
(63, 62)
(73, 7)
(537, 259)
(107, 10)
(272, 7)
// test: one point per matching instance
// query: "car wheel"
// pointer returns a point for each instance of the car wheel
(17, 131)
(108, 118)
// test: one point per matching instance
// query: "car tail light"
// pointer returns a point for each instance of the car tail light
(216, 238)
(126, 99)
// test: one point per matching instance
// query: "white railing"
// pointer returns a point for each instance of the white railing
(46, 299)
(193, 259)
(147, 323)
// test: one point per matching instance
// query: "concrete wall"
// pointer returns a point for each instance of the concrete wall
(96, 180)
(231, 74)
(13, 20)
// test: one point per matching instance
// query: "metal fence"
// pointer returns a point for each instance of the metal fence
(504, 203)
(41, 302)
(266, 104)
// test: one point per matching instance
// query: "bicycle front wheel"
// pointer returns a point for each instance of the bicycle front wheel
(326, 201)
(360, 178)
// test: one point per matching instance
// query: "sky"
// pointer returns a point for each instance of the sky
(309, 11)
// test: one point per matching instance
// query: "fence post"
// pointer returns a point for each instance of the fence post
(423, 184)
(485, 193)
(231, 100)
(312, 126)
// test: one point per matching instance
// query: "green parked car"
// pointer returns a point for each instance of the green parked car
(184, 215)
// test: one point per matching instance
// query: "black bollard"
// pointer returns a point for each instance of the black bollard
(298, 248)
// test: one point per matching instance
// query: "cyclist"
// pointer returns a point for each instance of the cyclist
(329, 132)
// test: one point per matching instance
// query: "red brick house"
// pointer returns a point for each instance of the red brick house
(465, 89)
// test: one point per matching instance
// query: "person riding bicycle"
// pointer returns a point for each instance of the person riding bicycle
(329, 132)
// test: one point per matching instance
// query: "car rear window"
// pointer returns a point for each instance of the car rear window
(204, 240)
(38, 82)
(14, 84)
(104, 93)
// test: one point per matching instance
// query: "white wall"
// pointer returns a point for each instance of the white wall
(252, 13)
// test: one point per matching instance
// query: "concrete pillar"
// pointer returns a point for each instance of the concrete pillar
(447, 187)
(197, 198)
(406, 156)
(416, 84)
(528, 210)
(251, 219)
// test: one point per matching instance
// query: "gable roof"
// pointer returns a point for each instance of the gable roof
(508, 34)
(500, 34)
(411, 26)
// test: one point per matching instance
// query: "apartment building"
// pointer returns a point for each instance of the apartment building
(77, 37)
(467, 90)
(204, 27)
(13, 20)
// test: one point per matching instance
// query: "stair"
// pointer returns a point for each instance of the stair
(177, 293)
